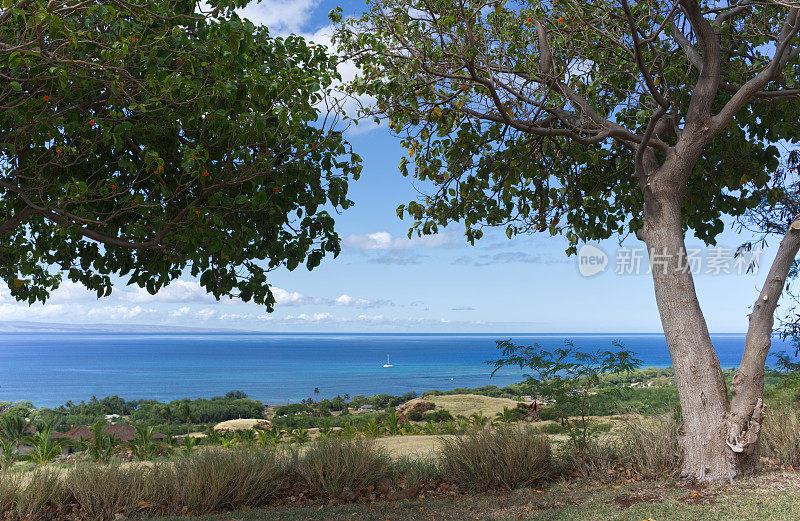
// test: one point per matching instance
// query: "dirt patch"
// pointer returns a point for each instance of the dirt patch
(636, 497)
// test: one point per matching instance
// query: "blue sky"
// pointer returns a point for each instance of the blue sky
(384, 282)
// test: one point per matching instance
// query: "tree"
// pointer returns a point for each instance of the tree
(102, 446)
(42, 448)
(149, 140)
(166, 413)
(595, 119)
(185, 409)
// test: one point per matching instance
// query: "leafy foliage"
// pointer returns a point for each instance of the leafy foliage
(525, 114)
(149, 140)
(568, 377)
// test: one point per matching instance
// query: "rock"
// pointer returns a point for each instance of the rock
(383, 486)
(407, 493)
(348, 495)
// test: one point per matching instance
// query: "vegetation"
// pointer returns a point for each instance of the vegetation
(330, 466)
(504, 457)
(150, 141)
(568, 378)
(606, 119)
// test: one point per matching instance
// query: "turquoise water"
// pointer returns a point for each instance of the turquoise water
(51, 368)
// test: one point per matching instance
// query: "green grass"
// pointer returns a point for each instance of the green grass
(770, 497)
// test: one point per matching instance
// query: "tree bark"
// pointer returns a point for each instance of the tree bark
(747, 388)
(701, 386)
(719, 438)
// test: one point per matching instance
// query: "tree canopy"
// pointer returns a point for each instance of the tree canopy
(528, 115)
(152, 139)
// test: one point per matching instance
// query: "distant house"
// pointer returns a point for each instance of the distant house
(365, 408)
(119, 432)
(112, 417)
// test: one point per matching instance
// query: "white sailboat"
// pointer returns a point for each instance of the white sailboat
(387, 364)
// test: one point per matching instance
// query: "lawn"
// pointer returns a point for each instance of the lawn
(770, 496)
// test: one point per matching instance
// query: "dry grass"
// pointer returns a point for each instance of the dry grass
(242, 424)
(503, 457)
(780, 434)
(466, 404)
(414, 447)
(649, 445)
(332, 465)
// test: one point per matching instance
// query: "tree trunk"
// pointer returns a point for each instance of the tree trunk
(701, 386)
(747, 388)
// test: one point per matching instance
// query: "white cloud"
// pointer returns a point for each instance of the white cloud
(117, 313)
(282, 17)
(304, 317)
(290, 298)
(178, 291)
(385, 241)
(206, 314)
(347, 300)
(181, 312)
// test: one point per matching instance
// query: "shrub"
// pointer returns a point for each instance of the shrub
(228, 479)
(649, 445)
(780, 434)
(442, 415)
(331, 465)
(503, 457)
(29, 495)
(409, 472)
(417, 411)
(103, 491)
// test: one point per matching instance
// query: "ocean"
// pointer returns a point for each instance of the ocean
(50, 368)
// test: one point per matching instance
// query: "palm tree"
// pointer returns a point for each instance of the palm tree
(392, 422)
(167, 415)
(189, 444)
(186, 412)
(143, 445)
(300, 436)
(102, 447)
(8, 454)
(43, 448)
(372, 428)
(13, 427)
(507, 416)
(478, 419)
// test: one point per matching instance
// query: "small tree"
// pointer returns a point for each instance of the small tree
(42, 448)
(102, 446)
(567, 377)
(185, 408)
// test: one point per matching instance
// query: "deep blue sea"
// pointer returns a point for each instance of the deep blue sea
(51, 368)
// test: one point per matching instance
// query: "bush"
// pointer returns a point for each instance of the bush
(504, 457)
(102, 491)
(410, 472)
(331, 465)
(780, 434)
(228, 479)
(29, 495)
(442, 415)
(649, 445)
(417, 411)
